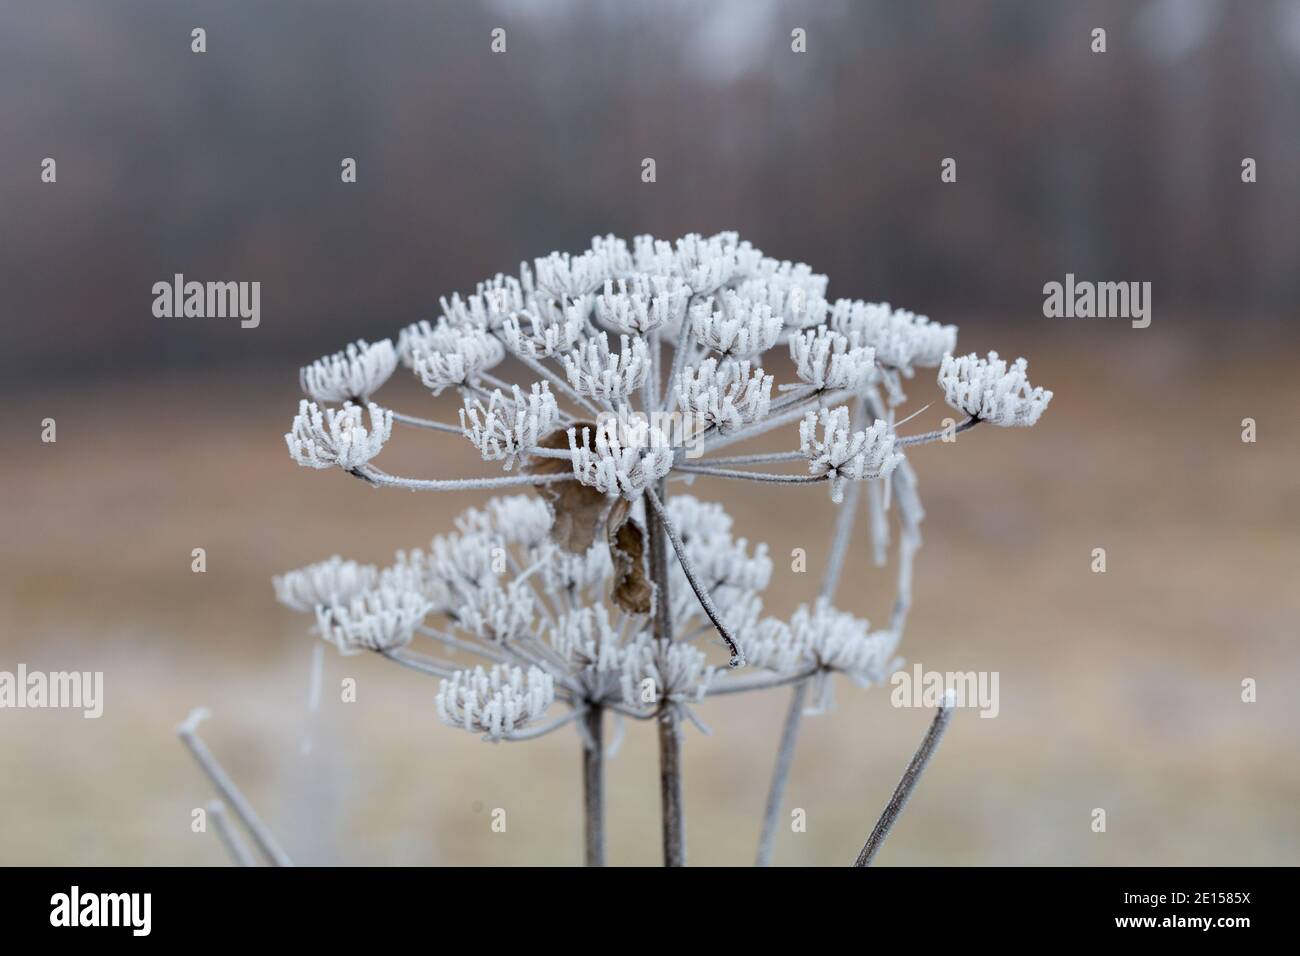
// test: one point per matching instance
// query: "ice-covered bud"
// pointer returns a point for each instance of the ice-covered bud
(495, 703)
(987, 389)
(352, 375)
(738, 329)
(613, 463)
(901, 339)
(455, 355)
(613, 376)
(333, 581)
(565, 276)
(497, 615)
(840, 454)
(545, 331)
(642, 303)
(379, 619)
(516, 519)
(827, 359)
(337, 436)
(675, 671)
(506, 428)
(586, 641)
(724, 395)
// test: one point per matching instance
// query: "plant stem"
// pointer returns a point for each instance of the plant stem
(937, 434)
(844, 522)
(670, 786)
(593, 785)
(188, 732)
(701, 592)
(668, 720)
(230, 837)
(910, 778)
(781, 773)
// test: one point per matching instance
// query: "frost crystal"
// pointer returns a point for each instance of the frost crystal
(596, 371)
(900, 338)
(551, 330)
(380, 619)
(741, 328)
(986, 389)
(352, 375)
(506, 428)
(453, 355)
(614, 468)
(725, 395)
(337, 436)
(826, 359)
(841, 453)
(495, 703)
(333, 581)
(643, 303)
(676, 672)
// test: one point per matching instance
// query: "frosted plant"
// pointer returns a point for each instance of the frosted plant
(595, 596)
(725, 396)
(332, 581)
(337, 437)
(611, 376)
(837, 453)
(987, 391)
(495, 702)
(506, 428)
(451, 355)
(352, 375)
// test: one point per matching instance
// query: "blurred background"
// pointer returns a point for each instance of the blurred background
(1119, 690)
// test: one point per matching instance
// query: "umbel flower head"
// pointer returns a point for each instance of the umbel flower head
(337, 436)
(352, 375)
(334, 581)
(495, 702)
(986, 389)
(839, 453)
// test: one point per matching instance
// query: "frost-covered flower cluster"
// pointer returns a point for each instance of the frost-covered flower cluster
(602, 381)
(986, 389)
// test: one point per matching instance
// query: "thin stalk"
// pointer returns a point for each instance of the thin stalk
(781, 479)
(593, 786)
(560, 383)
(225, 786)
(844, 522)
(671, 802)
(426, 423)
(228, 835)
(375, 476)
(911, 776)
(936, 435)
(701, 592)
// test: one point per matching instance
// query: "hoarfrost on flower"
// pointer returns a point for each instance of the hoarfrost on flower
(611, 376)
(506, 428)
(352, 375)
(614, 467)
(901, 339)
(379, 619)
(827, 359)
(333, 581)
(986, 389)
(642, 303)
(677, 672)
(740, 328)
(550, 329)
(495, 702)
(724, 395)
(839, 453)
(337, 436)
(451, 355)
